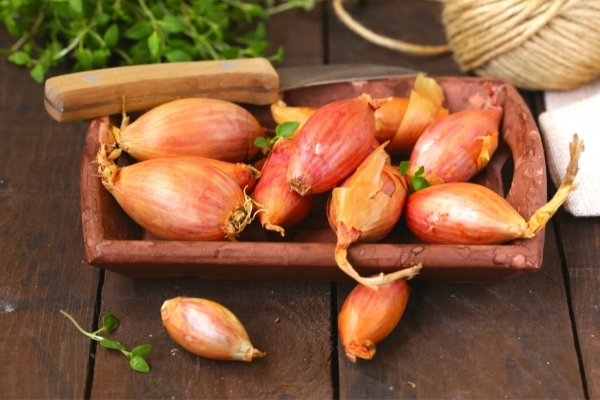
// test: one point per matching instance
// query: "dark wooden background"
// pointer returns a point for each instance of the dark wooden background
(537, 336)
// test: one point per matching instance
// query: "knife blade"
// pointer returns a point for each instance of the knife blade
(97, 93)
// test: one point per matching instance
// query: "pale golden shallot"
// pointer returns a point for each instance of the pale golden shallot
(366, 207)
(332, 144)
(191, 127)
(368, 316)
(245, 175)
(425, 106)
(469, 213)
(178, 198)
(207, 329)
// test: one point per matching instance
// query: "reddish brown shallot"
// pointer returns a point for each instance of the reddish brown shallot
(460, 145)
(208, 329)
(178, 198)
(332, 144)
(366, 207)
(276, 205)
(469, 213)
(368, 316)
(191, 127)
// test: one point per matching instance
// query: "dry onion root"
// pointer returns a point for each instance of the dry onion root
(277, 206)
(457, 147)
(469, 213)
(366, 207)
(208, 329)
(191, 127)
(368, 316)
(178, 198)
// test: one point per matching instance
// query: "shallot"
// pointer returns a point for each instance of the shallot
(366, 207)
(191, 127)
(469, 213)
(460, 145)
(276, 205)
(208, 329)
(178, 198)
(368, 316)
(332, 144)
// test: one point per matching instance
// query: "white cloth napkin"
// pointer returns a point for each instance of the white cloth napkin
(569, 112)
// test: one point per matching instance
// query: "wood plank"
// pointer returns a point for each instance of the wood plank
(509, 339)
(42, 271)
(580, 239)
(412, 21)
(291, 321)
(288, 320)
(41, 267)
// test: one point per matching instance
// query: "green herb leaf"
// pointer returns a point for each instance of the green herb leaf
(139, 30)
(111, 35)
(154, 45)
(404, 166)
(76, 6)
(286, 129)
(142, 350)
(19, 58)
(109, 322)
(172, 24)
(262, 142)
(112, 344)
(138, 364)
(177, 55)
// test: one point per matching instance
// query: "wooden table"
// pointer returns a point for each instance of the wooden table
(537, 336)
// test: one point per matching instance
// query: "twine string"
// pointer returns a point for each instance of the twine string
(535, 44)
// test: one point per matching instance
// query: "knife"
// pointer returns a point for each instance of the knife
(102, 92)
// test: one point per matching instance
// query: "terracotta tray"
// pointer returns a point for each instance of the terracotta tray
(517, 171)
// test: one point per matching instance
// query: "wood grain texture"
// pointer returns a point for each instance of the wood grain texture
(41, 272)
(580, 238)
(290, 321)
(509, 339)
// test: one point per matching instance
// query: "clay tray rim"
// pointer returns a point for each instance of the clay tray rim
(315, 261)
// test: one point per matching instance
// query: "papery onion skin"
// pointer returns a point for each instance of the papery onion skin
(179, 198)
(388, 118)
(425, 107)
(366, 207)
(463, 213)
(332, 144)
(208, 329)
(277, 206)
(457, 147)
(368, 316)
(192, 127)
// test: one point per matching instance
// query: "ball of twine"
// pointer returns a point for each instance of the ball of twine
(534, 44)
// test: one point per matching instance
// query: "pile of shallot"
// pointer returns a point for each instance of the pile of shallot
(200, 175)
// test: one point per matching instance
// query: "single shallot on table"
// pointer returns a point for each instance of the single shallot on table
(368, 316)
(469, 213)
(208, 329)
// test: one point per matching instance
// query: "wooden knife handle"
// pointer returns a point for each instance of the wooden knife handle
(92, 94)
